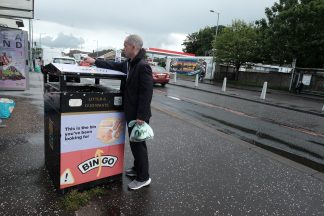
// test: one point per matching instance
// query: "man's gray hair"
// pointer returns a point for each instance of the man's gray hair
(135, 40)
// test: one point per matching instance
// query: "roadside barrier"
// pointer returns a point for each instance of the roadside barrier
(224, 84)
(264, 91)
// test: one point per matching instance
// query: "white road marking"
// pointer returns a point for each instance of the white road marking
(219, 107)
(175, 98)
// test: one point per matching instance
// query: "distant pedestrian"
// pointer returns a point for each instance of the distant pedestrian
(137, 106)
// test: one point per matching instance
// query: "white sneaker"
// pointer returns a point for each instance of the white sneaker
(134, 185)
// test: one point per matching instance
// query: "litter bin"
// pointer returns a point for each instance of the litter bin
(84, 126)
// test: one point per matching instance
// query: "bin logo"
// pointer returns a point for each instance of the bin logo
(97, 162)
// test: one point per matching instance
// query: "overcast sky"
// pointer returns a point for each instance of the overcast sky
(162, 24)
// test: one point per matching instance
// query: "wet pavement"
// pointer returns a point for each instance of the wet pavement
(195, 171)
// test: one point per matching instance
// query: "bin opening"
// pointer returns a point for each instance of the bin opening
(67, 78)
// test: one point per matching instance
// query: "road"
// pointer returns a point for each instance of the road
(299, 136)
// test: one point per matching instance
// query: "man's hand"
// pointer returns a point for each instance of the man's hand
(89, 60)
(139, 121)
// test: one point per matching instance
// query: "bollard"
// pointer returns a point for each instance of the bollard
(224, 84)
(264, 91)
(175, 77)
(196, 82)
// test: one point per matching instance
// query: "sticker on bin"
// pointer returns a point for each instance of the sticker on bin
(91, 165)
(75, 102)
(118, 101)
(97, 162)
(67, 177)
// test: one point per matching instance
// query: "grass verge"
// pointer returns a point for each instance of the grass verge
(75, 199)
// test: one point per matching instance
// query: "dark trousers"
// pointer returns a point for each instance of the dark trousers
(141, 163)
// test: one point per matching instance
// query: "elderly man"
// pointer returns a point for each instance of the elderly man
(137, 105)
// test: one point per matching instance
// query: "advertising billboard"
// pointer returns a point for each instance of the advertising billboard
(13, 56)
(191, 65)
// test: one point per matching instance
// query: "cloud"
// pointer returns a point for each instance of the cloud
(162, 24)
(171, 41)
(63, 41)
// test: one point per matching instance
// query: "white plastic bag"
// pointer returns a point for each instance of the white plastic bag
(141, 132)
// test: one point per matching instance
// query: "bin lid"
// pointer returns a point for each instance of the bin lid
(71, 69)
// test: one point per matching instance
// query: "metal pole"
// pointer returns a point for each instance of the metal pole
(212, 11)
(196, 81)
(40, 44)
(292, 73)
(264, 91)
(217, 25)
(215, 42)
(32, 39)
(31, 68)
(97, 48)
(40, 40)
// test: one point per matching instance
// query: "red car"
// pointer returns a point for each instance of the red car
(160, 75)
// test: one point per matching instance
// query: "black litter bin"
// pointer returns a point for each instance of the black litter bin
(84, 126)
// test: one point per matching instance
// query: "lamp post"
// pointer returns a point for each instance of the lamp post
(32, 31)
(212, 11)
(213, 71)
(30, 59)
(33, 48)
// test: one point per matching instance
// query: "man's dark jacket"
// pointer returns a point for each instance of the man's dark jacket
(139, 86)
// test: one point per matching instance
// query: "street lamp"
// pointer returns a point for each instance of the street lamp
(212, 11)
(213, 71)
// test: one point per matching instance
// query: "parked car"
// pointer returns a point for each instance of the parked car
(160, 75)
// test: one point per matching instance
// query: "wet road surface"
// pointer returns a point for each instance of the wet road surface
(296, 135)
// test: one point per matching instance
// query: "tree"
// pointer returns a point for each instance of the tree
(294, 29)
(236, 44)
(200, 43)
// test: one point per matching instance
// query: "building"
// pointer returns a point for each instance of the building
(159, 56)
